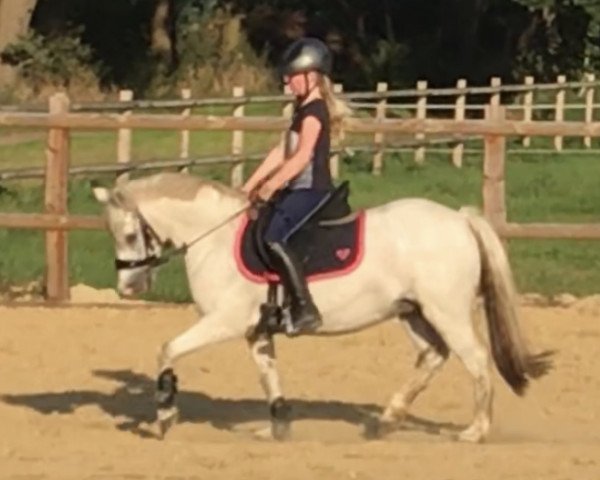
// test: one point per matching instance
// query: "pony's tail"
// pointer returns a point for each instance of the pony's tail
(509, 349)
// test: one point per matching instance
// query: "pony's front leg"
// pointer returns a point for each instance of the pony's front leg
(263, 353)
(210, 329)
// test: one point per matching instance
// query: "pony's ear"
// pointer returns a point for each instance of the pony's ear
(122, 179)
(102, 194)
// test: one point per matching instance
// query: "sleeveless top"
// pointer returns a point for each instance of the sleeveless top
(316, 175)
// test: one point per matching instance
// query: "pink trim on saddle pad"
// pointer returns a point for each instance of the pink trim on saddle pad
(272, 277)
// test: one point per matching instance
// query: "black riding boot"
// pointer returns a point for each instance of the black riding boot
(305, 315)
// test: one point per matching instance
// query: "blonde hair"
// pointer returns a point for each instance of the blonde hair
(338, 109)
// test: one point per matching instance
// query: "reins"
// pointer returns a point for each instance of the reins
(183, 248)
(153, 261)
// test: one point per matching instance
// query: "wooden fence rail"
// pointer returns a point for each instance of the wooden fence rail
(185, 163)
(494, 88)
(177, 104)
(91, 121)
(124, 168)
(524, 101)
(60, 120)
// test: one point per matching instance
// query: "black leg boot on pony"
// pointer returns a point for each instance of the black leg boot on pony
(305, 315)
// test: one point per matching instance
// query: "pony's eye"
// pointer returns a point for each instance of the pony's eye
(131, 238)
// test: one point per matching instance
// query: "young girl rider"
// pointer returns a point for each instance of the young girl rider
(296, 176)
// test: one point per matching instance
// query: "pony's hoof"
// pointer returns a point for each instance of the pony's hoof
(264, 434)
(166, 418)
(281, 430)
(379, 426)
(376, 428)
(280, 419)
(470, 435)
(372, 429)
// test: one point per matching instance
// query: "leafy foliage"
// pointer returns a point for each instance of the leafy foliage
(55, 60)
(218, 43)
(214, 54)
(556, 40)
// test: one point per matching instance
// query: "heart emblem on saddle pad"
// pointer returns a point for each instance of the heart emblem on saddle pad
(343, 253)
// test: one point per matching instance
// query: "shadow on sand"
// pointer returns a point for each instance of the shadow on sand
(132, 404)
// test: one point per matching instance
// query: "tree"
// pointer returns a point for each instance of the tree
(140, 43)
(15, 17)
(563, 37)
(163, 42)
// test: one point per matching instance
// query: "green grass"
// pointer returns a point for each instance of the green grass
(554, 187)
(21, 148)
(100, 147)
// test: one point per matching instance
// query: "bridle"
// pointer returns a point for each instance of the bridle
(150, 239)
(150, 260)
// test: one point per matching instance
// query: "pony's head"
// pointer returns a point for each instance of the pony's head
(137, 247)
(166, 209)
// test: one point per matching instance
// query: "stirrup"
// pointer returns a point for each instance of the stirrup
(296, 328)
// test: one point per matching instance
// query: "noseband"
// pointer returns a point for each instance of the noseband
(150, 260)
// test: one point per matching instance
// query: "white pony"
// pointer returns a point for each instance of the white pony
(423, 263)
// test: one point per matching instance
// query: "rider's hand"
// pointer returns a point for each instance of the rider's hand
(250, 193)
(251, 196)
(266, 191)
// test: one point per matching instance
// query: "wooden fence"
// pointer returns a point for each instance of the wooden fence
(528, 101)
(60, 121)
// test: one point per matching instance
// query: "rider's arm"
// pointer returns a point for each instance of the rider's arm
(273, 160)
(309, 133)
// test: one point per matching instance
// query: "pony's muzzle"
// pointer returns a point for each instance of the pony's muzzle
(131, 290)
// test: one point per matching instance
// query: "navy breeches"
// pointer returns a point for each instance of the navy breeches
(290, 211)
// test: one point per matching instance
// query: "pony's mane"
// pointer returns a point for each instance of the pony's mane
(181, 186)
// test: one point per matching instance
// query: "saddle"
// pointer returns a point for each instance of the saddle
(328, 240)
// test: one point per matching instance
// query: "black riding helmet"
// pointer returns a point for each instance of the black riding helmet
(306, 55)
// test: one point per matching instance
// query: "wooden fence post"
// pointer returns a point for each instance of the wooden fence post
(421, 115)
(237, 143)
(379, 137)
(589, 106)
(184, 145)
(494, 201)
(559, 111)
(55, 202)
(528, 108)
(495, 99)
(459, 115)
(337, 142)
(124, 134)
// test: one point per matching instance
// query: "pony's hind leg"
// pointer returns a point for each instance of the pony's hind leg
(459, 333)
(432, 353)
(263, 353)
